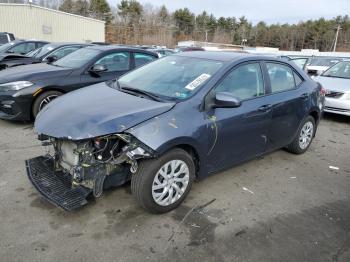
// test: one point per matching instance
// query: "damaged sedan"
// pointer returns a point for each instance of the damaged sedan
(170, 122)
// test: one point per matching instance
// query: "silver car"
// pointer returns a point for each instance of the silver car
(336, 81)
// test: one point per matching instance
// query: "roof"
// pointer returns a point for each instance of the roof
(121, 47)
(214, 55)
(51, 10)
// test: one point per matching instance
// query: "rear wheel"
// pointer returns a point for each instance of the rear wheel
(43, 100)
(160, 185)
(304, 137)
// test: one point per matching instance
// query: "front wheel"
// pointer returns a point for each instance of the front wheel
(304, 137)
(160, 185)
(43, 100)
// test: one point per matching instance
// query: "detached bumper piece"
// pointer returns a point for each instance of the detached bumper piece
(55, 186)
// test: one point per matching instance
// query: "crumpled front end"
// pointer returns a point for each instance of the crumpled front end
(78, 169)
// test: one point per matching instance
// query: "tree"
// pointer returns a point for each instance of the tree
(100, 9)
(184, 20)
(66, 6)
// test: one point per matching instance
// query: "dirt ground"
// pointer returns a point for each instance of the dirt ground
(281, 207)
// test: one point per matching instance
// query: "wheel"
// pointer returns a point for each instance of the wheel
(304, 137)
(44, 99)
(161, 184)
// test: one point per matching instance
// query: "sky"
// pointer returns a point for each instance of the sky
(270, 11)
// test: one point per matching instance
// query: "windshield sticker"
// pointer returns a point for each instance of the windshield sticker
(197, 82)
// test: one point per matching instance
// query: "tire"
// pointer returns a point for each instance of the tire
(144, 183)
(297, 146)
(38, 103)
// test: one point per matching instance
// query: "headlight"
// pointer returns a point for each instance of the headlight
(14, 86)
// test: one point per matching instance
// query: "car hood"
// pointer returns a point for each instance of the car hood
(95, 111)
(32, 72)
(334, 83)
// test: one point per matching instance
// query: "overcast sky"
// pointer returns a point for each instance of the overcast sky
(270, 11)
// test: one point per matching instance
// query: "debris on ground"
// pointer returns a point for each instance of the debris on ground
(246, 189)
(334, 167)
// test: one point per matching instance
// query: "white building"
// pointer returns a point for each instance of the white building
(27, 21)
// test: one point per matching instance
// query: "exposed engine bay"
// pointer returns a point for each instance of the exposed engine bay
(90, 162)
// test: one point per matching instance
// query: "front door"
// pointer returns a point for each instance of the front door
(117, 64)
(237, 134)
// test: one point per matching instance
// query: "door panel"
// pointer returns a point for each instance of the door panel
(237, 134)
(288, 104)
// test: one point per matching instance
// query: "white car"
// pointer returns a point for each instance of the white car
(336, 81)
(320, 64)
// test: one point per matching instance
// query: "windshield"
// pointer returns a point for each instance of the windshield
(341, 70)
(78, 58)
(324, 61)
(173, 76)
(42, 51)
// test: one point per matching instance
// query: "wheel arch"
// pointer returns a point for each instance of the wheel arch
(44, 90)
(191, 148)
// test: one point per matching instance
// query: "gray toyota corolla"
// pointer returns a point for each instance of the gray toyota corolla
(170, 122)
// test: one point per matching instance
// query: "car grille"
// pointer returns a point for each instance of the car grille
(334, 94)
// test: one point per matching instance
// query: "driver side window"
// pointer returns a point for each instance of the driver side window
(119, 61)
(243, 82)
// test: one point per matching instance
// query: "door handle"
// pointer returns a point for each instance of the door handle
(265, 108)
(305, 96)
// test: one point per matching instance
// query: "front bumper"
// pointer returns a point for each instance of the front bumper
(55, 186)
(337, 106)
(15, 108)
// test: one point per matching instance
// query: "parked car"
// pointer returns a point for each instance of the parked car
(6, 38)
(336, 81)
(25, 90)
(317, 65)
(170, 122)
(188, 49)
(20, 47)
(163, 51)
(47, 53)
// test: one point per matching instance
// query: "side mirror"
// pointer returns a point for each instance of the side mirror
(51, 59)
(98, 69)
(226, 100)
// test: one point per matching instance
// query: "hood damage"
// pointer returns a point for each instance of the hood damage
(89, 166)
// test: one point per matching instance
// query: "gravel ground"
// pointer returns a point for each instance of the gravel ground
(281, 207)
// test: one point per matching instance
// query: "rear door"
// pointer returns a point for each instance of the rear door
(288, 98)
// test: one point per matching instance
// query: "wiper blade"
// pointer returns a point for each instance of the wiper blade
(139, 91)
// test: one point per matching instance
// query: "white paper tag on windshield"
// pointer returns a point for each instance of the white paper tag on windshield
(197, 82)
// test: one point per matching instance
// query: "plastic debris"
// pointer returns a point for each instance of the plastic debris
(334, 167)
(246, 189)
(293, 177)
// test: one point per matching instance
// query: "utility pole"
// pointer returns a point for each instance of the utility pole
(336, 37)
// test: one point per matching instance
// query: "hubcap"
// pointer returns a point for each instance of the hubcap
(46, 101)
(306, 134)
(170, 182)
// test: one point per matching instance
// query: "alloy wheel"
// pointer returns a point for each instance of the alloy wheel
(306, 134)
(170, 182)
